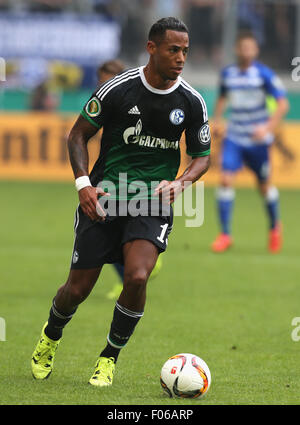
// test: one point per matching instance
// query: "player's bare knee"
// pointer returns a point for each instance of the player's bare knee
(226, 181)
(136, 280)
(78, 293)
(263, 188)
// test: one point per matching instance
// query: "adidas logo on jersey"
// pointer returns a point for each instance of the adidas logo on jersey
(134, 111)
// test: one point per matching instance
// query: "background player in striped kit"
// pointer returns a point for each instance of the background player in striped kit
(244, 87)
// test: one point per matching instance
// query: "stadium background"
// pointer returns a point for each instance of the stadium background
(52, 50)
(235, 310)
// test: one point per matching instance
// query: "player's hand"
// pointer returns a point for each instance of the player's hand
(260, 133)
(168, 191)
(88, 198)
(217, 128)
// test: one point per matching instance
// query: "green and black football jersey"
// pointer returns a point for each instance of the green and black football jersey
(142, 128)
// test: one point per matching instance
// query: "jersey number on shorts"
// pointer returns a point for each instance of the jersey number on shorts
(163, 233)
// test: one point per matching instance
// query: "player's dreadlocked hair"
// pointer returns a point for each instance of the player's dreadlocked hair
(158, 30)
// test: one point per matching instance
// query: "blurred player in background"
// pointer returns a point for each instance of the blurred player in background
(42, 99)
(109, 70)
(143, 112)
(105, 72)
(244, 87)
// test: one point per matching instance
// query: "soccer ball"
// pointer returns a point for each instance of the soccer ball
(186, 376)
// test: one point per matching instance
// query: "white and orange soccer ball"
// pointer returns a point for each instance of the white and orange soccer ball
(186, 376)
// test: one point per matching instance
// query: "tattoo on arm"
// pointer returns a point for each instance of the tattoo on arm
(77, 146)
(78, 154)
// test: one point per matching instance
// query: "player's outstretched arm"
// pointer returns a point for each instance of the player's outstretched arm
(197, 168)
(79, 158)
(282, 109)
(169, 191)
(271, 126)
(217, 120)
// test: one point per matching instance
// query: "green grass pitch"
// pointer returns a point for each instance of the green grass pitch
(234, 310)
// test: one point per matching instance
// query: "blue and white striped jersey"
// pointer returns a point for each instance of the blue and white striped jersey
(246, 92)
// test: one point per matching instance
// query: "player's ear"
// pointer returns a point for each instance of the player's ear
(151, 47)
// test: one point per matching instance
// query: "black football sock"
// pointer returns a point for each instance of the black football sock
(56, 322)
(122, 327)
(110, 351)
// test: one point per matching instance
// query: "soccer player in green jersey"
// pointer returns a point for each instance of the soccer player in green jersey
(125, 213)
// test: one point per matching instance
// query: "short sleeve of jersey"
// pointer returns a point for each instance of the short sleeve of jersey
(273, 84)
(197, 133)
(96, 110)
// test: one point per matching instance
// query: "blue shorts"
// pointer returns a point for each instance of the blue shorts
(255, 157)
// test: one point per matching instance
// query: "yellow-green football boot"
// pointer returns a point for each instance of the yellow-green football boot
(43, 356)
(104, 372)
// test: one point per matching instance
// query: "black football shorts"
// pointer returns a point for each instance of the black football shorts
(98, 243)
